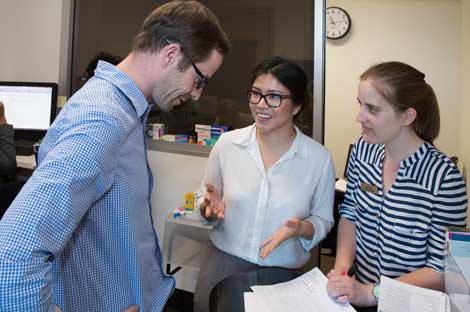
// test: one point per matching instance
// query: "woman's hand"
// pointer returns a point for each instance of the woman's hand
(212, 206)
(338, 271)
(344, 288)
(291, 228)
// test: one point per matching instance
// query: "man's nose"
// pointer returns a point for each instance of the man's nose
(196, 93)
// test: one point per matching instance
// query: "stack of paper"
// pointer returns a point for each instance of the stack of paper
(396, 296)
(306, 293)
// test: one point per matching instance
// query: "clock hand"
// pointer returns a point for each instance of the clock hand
(332, 21)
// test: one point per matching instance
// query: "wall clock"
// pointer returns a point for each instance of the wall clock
(338, 23)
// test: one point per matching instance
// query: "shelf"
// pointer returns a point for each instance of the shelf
(184, 242)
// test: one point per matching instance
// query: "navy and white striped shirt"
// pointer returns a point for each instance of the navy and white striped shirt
(403, 230)
(79, 234)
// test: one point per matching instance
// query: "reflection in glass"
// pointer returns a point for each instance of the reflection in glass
(258, 29)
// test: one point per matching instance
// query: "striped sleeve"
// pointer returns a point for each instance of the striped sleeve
(450, 208)
(348, 207)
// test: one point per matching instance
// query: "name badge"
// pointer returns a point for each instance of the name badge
(369, 188)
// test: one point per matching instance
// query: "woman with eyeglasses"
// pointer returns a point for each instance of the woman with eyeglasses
(270, 188)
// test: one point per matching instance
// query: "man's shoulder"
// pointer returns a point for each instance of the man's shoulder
(98, 97)
(89, 112)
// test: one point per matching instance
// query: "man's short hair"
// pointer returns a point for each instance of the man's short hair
(188, 23)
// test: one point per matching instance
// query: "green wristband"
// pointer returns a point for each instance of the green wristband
(376, 291)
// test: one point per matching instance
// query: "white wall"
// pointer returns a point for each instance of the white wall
(423, 33)
(174, 174)
(464, 145)
(34, 39)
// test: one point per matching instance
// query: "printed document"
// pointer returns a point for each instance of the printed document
(396, 296)
(254, 305)
(307, 293)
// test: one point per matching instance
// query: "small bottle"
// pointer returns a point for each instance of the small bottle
(189, 201)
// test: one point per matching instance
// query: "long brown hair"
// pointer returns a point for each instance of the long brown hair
(404, 87)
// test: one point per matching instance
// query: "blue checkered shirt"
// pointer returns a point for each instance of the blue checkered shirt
(80, 233)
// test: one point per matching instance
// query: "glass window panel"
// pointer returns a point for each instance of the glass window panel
(258, 29)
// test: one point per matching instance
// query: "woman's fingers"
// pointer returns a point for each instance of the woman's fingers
(342, 299)
(210, 187)
(266, 251)
(266, 242)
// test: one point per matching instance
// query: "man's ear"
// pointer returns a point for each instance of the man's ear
(170, 54)
(409, 116)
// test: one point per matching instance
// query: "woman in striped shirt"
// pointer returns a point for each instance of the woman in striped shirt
(402, 192)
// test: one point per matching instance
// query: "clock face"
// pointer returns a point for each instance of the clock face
(338, 23)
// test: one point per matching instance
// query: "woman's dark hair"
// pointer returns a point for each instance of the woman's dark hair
(404, 87)
(189, 23)
(101, 56)
(291, 75)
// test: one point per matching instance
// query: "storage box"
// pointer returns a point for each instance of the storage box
(203, 134)
(208, 135)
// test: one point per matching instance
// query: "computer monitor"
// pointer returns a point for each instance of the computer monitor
(30, 107)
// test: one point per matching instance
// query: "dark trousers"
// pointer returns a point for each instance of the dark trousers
(216, 266)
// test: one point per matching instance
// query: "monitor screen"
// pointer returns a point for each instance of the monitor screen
(30, 107)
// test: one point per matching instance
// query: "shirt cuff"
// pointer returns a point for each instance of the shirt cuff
(321, 228)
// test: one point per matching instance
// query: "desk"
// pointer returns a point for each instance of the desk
(25, 166)
(27, 162)
(184, 241)
(227, 295)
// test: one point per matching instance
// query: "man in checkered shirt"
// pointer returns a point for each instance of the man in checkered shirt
(79, 236)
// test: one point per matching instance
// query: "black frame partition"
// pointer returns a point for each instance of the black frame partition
(110, 26)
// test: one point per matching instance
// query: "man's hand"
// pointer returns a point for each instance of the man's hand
(291, 228)
(212, 206)
(132, 308)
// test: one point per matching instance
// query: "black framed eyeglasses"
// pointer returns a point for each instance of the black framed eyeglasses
(203, 81)
(273, 100)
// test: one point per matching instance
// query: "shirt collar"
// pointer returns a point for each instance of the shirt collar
(407, 162)
(247, 138)
(125, 84)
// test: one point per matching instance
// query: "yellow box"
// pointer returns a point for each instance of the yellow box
(189, 201)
